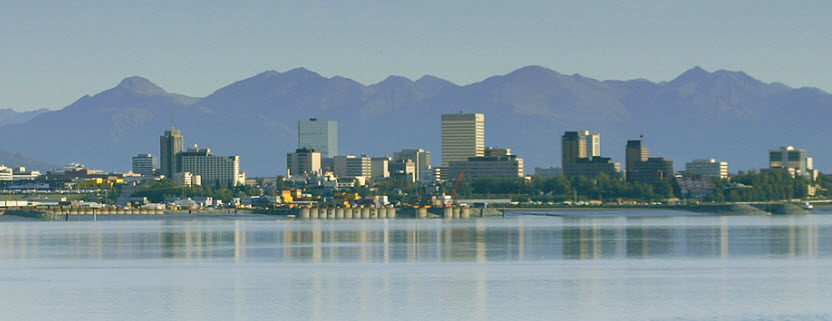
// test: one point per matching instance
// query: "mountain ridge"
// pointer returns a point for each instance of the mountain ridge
(734, 116)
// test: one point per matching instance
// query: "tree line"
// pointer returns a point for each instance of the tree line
(743, 187)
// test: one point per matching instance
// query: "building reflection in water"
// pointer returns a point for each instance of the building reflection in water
(402, 240)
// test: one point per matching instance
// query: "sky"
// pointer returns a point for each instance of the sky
(53, 52)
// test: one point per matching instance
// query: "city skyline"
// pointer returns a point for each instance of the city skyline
(343, 169)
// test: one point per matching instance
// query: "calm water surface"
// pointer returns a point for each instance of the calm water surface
(592, 266)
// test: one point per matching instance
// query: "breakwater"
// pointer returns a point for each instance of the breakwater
(744, 209)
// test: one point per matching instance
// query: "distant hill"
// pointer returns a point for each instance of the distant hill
(17, 160)
(9, 116)
(724, 114)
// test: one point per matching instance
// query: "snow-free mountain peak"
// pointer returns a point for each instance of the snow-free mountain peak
(140, 85)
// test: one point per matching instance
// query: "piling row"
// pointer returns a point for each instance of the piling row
(347, 213)
(102, 211)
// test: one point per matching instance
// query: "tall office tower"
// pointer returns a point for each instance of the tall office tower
(463, 136)
(144, 164)
(593, 143)
(320, 135)
(636, 152)
(579, 144)
(171, 144)
(418, 156)
(573, 147)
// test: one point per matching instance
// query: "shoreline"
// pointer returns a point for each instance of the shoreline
(761, 209)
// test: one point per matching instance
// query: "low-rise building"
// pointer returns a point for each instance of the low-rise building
(592, 167)
(651, 171)
(187, 179)
(16, 174)
(706, 168)
(548, 172)
(694, 187)
(794, 160)
(498, 163)
(138, 201)
(353, 166)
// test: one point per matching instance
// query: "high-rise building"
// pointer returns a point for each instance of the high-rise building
(792, 159)
(303, 161)
(593, 143)
(212, 169)
(463, 136)
(579, 144)
(418, 156)
(636, 152)
(171, 144)
(581, 155)
(144, 164)
(353, 166)
(707, 168)
(573, 147)
(320, 135)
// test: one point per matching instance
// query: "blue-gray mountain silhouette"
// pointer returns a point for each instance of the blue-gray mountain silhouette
(10, 116)
(18, 160)
(724, 114)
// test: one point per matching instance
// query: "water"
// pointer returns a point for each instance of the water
(590, 267)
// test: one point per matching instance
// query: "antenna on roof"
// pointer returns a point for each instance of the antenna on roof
(171, 121)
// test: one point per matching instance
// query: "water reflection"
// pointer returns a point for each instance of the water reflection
(476, 240)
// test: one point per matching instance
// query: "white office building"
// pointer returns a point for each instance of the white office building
(212, 169)
(707, 168)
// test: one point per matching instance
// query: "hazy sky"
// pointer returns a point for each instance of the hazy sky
(51, 53)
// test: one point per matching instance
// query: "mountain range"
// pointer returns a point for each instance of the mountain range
(727, 115)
